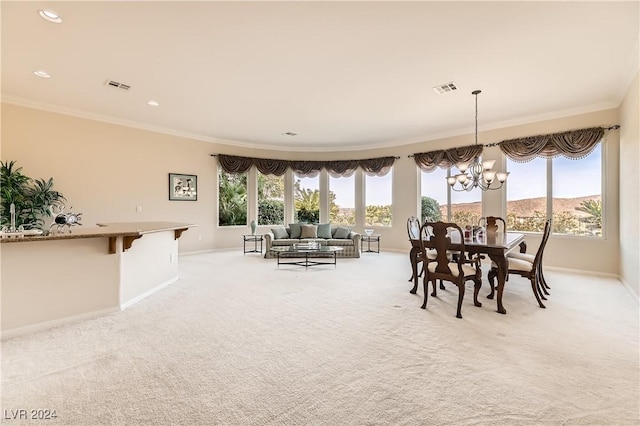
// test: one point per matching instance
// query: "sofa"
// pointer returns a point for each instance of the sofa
(340, 236)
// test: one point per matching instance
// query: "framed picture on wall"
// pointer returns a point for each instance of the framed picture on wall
(183, 187)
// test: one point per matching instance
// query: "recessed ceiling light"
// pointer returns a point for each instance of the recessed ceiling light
(50, 16)
(153, 103)
(42, 74)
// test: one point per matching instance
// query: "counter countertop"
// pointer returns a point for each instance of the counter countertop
(105, 230)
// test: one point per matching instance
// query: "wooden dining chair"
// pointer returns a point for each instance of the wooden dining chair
(413, 231)
(493, 224)
(443, 267)
(530, 258)
(524, 268)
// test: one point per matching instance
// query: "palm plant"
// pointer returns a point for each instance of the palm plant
(30, 197)
(233, 199)
(593, 208)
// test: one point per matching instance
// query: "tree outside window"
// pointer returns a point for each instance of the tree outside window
(306, 196)
(270, 199)
(232, 199)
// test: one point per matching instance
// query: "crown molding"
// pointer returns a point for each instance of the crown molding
(28, 103)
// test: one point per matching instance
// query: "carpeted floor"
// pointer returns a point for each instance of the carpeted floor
(238, 342)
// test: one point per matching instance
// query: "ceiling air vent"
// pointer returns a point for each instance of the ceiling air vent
(117, 85)
(441, 89)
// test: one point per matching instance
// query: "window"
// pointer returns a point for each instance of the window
(306, 195)
(577, 195)
(527, 195)
(270, 199)
(465, 207)
(378, 200)
(232, 199)
(576, 204)
(434, 193)
(342, 200)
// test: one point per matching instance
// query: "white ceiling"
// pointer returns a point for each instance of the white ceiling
(342, 75)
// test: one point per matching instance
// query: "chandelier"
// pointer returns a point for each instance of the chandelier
(477, 174)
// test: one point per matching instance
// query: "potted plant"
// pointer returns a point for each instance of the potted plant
(30, 197)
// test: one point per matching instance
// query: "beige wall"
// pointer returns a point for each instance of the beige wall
(630, 189)
(106, 170)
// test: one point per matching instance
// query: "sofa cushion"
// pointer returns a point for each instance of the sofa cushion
(285, 242)
(309, 231)
(279, 233)
(296, 229)
(324, 230)
(342, 232)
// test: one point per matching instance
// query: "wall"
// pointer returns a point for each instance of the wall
(47, 282)
(629, 190)
(106, 170)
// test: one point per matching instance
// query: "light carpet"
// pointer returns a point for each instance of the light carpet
(238, 342)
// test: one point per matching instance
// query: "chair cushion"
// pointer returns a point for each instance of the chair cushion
(516, 265)
(279, 233)
(324, 230)
(309, 231)
(342, 232)
(522, 256)
(296, 229)
(467, 269)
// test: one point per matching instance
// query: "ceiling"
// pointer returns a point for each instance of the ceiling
(342, 75)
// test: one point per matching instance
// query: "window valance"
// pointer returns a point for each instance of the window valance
(573, 144)
(372, 166)
(428, 161)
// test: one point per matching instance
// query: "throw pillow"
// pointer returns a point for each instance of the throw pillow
(342, 232)
(309, 231)
(279, 233)
(324, 230)
(295, 229)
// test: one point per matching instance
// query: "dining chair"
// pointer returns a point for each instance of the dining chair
(413, 230)
(493, 224)
(443, 267)
(530, 258)
(524, 268)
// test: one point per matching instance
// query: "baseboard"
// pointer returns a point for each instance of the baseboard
(28, 329)
(581, 272)
(148, 293)
(190, 253)
(633, 294)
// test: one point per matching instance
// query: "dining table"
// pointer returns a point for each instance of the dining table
(495, 245)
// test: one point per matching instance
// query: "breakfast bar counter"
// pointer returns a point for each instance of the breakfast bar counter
(52, 279)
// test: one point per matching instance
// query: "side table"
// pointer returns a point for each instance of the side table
(373, 238)
(252, 238)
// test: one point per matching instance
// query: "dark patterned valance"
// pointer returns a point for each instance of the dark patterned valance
(573, 144)
(372, 166)
(428, 161)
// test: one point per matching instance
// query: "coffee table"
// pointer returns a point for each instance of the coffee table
(299, 251)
